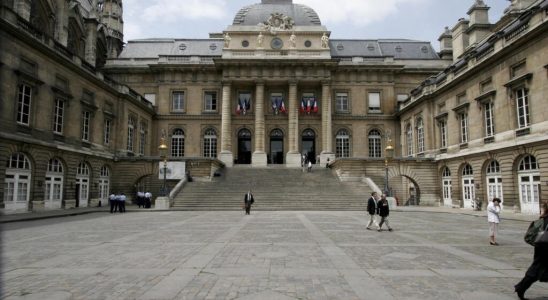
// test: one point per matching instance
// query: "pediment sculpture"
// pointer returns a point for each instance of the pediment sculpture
(278, 21)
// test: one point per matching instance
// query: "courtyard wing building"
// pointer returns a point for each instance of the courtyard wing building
(82, 114)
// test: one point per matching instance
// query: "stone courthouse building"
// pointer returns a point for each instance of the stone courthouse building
(82, 114)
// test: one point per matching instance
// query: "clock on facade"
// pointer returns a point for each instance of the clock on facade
(276, 43)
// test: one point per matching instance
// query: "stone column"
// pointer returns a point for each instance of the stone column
(293, 157)
(327, 127)
(226, 128)
(258, 158)
(61, 22)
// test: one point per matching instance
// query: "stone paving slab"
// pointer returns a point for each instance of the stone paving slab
(268, 255)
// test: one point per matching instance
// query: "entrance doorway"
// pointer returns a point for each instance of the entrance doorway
(276, 147)
(308, 143)
(244, 147)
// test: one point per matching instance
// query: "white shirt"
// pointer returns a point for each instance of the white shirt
(493, 213)
(122, 197)
(148, 195)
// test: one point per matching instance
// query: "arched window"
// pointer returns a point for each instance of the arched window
(104, 184)
(494, 181)
(17, 182)
(447, 186)
(210, 143)
(468, 188)
(529, 184)
(178, 143)
(342, 143)
(54, 184)
(409, 139)
(375, 143)
(420, 136)
(83, 181)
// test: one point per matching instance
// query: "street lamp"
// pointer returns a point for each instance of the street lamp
(163, 154)
(388, 155)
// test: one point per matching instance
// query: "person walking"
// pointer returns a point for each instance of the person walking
(538, 271)
(148, 200)
(248, 201)
(372, 209)
(383, 209)
(493, 211)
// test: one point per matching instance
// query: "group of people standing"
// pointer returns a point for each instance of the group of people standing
(144, 200)
(378, 206)
(117, 202)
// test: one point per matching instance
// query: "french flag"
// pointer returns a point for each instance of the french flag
(308, 106)
(282, 107)
(315, 108)
(238, 108)
(303, 106)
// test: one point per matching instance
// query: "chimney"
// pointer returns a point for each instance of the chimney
(446, 44)
(479, 27)
(460, 38)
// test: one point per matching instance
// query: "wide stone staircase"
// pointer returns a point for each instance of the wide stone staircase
(274, 188)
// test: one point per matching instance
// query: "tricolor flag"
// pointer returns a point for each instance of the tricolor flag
(303, 106)
(308, 105)
(238, 108)
(282, 107)
(315, 107)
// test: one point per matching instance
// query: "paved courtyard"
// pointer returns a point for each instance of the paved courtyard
(267, 255)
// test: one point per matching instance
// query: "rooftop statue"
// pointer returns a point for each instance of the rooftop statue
(278, 21)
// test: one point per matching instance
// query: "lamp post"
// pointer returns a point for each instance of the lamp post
(388, 155)
(163, 154)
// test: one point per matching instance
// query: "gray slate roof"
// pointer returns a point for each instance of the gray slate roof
(399, 49)
(152, 48)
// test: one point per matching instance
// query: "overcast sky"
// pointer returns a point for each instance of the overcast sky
(355, 19)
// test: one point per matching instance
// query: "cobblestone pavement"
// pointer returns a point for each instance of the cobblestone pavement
(267, 255)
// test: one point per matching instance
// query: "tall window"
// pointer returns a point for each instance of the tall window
(106, 133)
(210, 101)
(409, 139)
(494, 181)
(58, 115)
(130, 133)
(54, 184)
(341, 102)
(86, 121)
(178, 101)
(443, 133)
(342, 144)
(375, 102)
(523, 108)
(529, 184)
(463, 118)
(420, 135)
(23, 104)
(375, 143)
(210, 143)
(142, 137)
(468, 188)
(104, 184)
(446, 185)
(17, 182)
(82, 181)
(488, 119)
(178, 143)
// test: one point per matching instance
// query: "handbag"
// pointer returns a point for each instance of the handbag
(542, 236)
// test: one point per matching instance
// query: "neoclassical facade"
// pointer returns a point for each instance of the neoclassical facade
(82, 116)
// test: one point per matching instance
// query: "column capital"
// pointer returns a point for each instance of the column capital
(293, 81)
(260, 82)
(226, 82)
(326, 82)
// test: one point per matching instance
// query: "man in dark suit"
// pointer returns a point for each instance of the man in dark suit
(248, 200)
(383, 210)
(372, 210)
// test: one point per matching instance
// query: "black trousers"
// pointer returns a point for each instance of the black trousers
(113, 205)
(525, 283)
(248, 209)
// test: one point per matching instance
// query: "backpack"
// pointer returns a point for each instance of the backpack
(532, 231)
